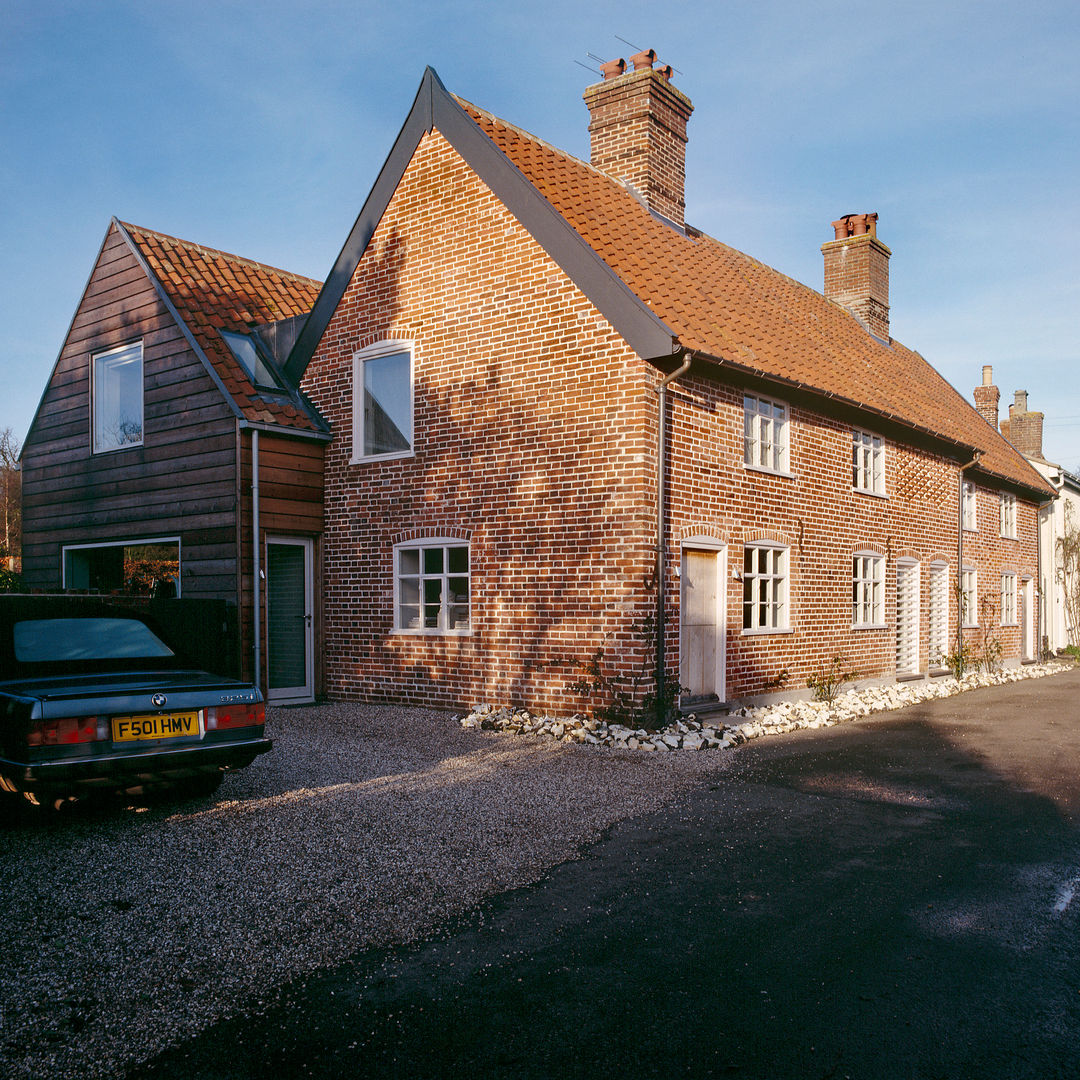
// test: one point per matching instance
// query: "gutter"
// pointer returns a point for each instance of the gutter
(661, 524)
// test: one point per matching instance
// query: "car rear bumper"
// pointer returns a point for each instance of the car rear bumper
(131, 768)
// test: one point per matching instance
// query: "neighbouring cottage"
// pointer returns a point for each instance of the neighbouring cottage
(167, 438)
(560, 410)
(1059, 520)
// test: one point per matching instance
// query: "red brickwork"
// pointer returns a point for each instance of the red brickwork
(532, 441)
(638, 132)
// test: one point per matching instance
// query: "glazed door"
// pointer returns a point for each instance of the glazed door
(290, 640)
(907, 618)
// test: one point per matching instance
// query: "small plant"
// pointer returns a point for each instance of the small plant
(630, 699)
(827, 682)
(778, 682)
(989, 655)
(961, 661)
(1073, 651)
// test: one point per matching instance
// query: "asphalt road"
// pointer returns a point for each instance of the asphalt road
(897, 898)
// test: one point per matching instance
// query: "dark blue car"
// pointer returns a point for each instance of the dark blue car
(95, 698)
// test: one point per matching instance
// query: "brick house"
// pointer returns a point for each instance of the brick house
(503, 339)
(167, 438)
(1059, 612)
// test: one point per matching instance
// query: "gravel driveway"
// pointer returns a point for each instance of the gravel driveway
(127, 928)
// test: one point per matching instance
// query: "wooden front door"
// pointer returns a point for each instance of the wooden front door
(701, 624)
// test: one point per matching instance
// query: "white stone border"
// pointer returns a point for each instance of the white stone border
(778, 719)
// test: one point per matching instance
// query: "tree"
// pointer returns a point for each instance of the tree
(10, 495)
(1068, 573)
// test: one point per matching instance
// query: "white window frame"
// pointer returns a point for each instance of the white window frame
(380, 349)
(774, 580)
(140, 542)
(101, 363)
(1008, 599)
(867, 590)
(766, 434)
(970, 503)
(867, 463)
(423, 576)
(969, 597)
(1008, 515)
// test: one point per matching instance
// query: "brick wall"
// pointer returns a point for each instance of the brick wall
(531, 436)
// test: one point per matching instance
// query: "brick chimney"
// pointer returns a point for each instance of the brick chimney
(857, 271)
(638, 130)
(987, 397)
(1024, 429)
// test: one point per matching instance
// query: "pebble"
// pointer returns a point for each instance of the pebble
(777, 719)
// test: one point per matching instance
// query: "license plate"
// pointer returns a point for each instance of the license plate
(160, 726)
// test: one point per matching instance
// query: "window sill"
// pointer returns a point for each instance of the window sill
(969, 529)
(373, 459)
(871, 493)
(763, 631)
(1006, 625)
(870, 626)
(768, 472)
(1006, 536)
(406, 632)
(117, 449)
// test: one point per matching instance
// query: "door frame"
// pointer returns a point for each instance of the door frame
(1028, 630)
(709, 545)
(294, 695)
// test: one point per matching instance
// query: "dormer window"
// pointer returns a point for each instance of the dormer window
(245, 347)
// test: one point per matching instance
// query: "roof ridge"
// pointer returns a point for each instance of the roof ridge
(204, 249)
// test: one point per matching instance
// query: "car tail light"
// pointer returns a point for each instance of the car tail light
(66, 730)
(247, 714)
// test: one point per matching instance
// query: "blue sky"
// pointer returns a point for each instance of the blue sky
(259, 127)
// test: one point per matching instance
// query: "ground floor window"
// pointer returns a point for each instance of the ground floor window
(431, 586)
(765, 587)
(136, 567)
(1008, 599)
(969, 596)
(868, 589)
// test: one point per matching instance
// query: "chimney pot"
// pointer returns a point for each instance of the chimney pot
(613, 68)
(1020, 401)
(987, 397)
(643, 60)
(667, 71)
(988, 375)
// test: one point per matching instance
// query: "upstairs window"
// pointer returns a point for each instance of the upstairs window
(1008, 516)
(117, 398)
(765, 587)
(383, 401)
(868, 589)
(867, 462)
(431, 587)
(765, 434)
(970, 520)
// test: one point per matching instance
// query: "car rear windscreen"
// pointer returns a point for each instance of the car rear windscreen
(52, 640)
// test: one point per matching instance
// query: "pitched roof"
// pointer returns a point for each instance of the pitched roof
(211, 291)
(663, 289)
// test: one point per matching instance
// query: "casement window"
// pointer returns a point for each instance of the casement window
(383, 401)
(867, 462)
(431, 587)
(765, 587)
(868, 589)
(969, 596)
(968, 515)
(939, 613)
(1008, 599)
(765, 434)
(136, 567)
(1008, 516)
(117, 398)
